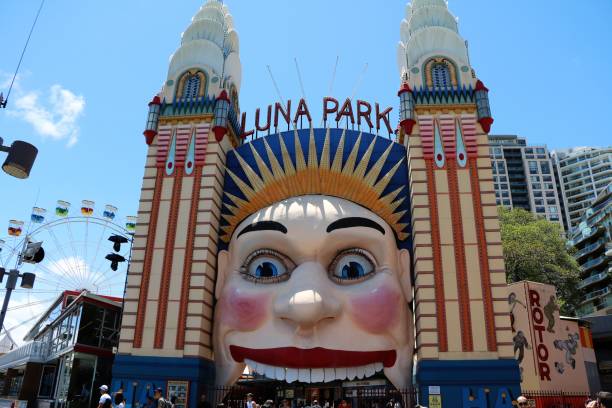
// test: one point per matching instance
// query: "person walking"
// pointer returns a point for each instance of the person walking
(604, 399)
(249, 402)
(119, 400)
(161, 402)
(105, 400)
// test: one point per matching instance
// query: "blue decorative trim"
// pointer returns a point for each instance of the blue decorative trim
(470, 383)
(153, 372)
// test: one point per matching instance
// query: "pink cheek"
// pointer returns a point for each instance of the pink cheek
(376, 311)
(243, 312)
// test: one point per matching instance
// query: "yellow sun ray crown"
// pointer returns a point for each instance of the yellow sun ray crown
(366, 169)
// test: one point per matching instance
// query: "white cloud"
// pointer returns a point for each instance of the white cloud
(54, 114)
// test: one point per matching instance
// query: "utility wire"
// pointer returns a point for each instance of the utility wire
(22, 54)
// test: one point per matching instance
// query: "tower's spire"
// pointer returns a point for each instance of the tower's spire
(429, 28)
(209, 43)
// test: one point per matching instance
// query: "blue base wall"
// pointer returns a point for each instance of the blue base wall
(470, 383)
(152, 372)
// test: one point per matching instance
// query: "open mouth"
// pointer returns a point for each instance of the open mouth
(313, 365)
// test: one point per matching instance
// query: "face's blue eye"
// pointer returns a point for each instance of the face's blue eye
(266, 269)
(266, 266)
(352, 270)
(352, 265)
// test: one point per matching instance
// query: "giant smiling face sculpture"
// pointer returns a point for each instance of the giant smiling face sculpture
(313, 289)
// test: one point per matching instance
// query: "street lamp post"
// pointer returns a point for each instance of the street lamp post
(20, 158)
(27, 282)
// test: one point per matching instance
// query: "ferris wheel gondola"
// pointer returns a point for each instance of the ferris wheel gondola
(88, 250)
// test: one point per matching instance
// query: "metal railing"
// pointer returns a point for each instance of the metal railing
(593, 262)
(596, 294)
(555, 399)
(35, 352)
(589, 248)
(592, 279)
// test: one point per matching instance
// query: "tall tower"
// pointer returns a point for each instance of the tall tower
(464, 336)
(192, 123)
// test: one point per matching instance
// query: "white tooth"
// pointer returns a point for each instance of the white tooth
(304, 375)
(378, 367)
(269, 372)
(279, 373)
(370, 370)
(317, 375)
(252, 365)
(361, 372)
(351, 372)
(291, 375)
(330, 374)
(340, 373)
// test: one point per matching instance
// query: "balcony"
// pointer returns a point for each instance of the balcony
(592, 279)
(589, 248)
(33, 352)
(587, 266)
(595, 294)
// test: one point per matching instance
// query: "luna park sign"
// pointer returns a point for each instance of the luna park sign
(360, 113)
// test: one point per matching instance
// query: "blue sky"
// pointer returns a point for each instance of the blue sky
(92, 66)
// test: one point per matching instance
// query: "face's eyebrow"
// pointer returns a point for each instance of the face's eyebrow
(351, 222)
(263, 226)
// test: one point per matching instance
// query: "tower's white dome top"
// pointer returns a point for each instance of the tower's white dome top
(211, 43)
(429, 27)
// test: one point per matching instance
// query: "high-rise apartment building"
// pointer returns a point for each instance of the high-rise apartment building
(523, 176)
(582, 174)
(592, 239)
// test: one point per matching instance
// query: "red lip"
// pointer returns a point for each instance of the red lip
(293, 357)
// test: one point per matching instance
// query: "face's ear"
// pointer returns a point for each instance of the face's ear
(222, 264)
(404, 274)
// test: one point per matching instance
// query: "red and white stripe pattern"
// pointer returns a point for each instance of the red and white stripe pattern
(446, 125)
(468, 127)
(183, 138)
(426, 125)
(202, 131)
(163, 144)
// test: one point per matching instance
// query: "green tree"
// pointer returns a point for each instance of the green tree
(534, 249)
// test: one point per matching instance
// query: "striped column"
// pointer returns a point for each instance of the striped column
(461, 312)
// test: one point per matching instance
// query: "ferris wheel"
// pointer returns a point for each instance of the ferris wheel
(67, 249)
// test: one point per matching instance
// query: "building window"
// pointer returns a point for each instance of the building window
(550, 194)
(545, 167)
(547, 178)
(538, 201)
(507, 202)
(503, 179)
(505, 194)
(552, 209)
(551, 201)
(540, 150)
(533, 166)
(504, 186)
(535, 179)
(536, 186)
(192, 87)
(540, 210)
(440, 75)
(554, 217)
(537, 194)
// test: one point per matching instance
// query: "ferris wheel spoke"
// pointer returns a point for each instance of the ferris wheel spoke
(98, 245)
(30, 304)
(59, 272)
(61, 279)
(61, 251)
(80, 273)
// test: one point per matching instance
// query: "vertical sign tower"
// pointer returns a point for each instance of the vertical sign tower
(464, 338)
(192, 123)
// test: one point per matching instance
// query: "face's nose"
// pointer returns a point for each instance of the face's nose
(307, 299)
